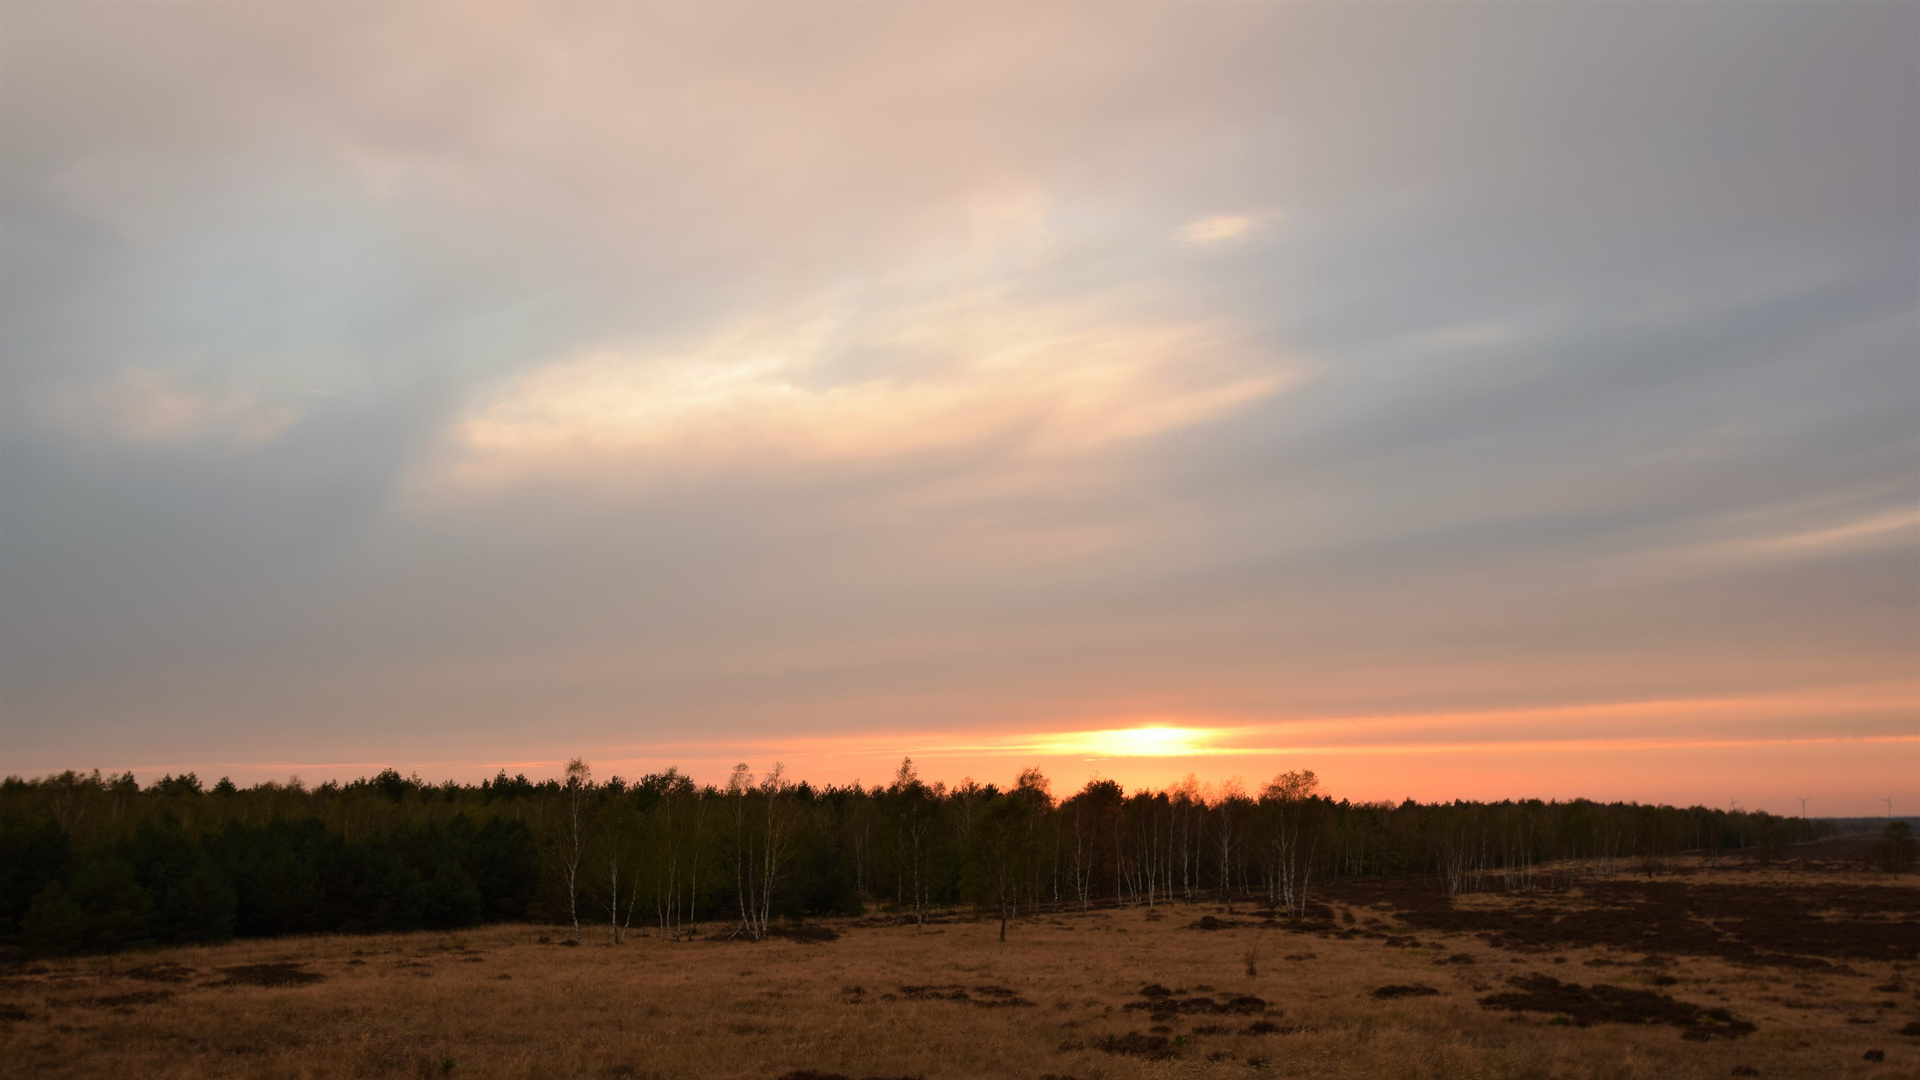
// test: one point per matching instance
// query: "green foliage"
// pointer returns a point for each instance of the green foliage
(104, 908)
(200, 907)
(1894, 851)
(505, 864)
(32, 854)
(54, 923)
(996, 875)
(193, 899)
(184, 784)
(172, 864)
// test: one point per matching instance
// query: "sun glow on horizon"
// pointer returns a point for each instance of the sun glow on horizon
(1152, 741)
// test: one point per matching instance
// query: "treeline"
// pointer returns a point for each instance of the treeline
(91, 862)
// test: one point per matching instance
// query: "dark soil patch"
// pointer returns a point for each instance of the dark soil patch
(1155, 990)
(1800, 925)
(1601, 1004)
(281, 974)
(935, 993)
(13, 1013)
(1134, 1044)
(1209, 922)
(809, 1074)
(160, 973)
(1159, 1007)
(1911, 1031)
(1405, 991)
(808, 934)
(1268, 1027)
(985, 996)
(121, 1001)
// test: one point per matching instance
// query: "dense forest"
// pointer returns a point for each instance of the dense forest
(92, 862)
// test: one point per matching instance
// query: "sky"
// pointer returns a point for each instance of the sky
(1459, 401)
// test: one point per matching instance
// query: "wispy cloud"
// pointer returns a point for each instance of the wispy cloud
(148, 407)
(1894, 526)
(1789, 535)
(953, 374)
(1219, 229)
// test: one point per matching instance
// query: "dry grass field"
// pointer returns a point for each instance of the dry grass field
(1712, 973)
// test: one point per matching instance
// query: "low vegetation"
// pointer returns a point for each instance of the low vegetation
(1376, 977)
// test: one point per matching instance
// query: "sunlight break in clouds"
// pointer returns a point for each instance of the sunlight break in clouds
(1217, 230)
(1042, 380)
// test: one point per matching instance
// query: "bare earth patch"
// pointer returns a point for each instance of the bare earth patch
(1585, 1005)
(281, 974)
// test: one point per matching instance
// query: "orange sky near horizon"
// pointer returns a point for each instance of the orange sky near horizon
(1648, 751)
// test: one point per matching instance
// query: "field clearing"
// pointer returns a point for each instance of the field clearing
(1476, 988)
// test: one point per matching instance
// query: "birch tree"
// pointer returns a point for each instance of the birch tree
(913, 838)
(1288, 803)
(577, 789)
(996, 849)
(1229, 807)
(776, 794)
(762, 828)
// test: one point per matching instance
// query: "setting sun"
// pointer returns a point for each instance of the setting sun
(1157, 741)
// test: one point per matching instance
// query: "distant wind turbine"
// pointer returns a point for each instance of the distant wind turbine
(1803, 805)
(1889, 801)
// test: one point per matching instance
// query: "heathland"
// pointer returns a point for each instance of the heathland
(1794, 967)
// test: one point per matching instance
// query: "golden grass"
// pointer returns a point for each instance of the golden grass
(495, 1002)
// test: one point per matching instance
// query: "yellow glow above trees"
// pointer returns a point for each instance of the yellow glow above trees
(1155, 741)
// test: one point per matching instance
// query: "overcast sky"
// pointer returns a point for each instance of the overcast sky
(1455, 400)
